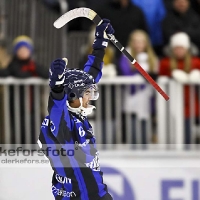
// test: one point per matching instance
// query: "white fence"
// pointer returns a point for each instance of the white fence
(25, 105)
(174, 126)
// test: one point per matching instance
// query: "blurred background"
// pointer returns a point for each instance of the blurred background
(145, 143)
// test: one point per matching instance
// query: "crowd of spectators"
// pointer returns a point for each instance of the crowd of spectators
(162, 35)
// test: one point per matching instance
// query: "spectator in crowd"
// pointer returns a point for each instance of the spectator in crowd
(183, 67)
(23, 65)
(182, 18)
(154, 12)
(138, 100)
(125, 17)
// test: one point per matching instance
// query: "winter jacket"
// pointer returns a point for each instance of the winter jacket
(154, 12)
(165, 70)
(188, 22)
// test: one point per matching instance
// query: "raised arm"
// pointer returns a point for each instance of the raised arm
(57, 109)
(95, 61)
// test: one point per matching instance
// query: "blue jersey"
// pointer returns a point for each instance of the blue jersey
(68, 141)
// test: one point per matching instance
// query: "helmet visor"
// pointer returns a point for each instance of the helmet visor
(92, 92)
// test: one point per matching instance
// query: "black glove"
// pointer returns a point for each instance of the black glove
(101, 39)
(56, 72)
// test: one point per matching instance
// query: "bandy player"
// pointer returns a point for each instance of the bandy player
(77, 174)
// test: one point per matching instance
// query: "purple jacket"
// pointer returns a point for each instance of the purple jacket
(126, 70)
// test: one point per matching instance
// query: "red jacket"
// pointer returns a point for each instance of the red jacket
(165, 70)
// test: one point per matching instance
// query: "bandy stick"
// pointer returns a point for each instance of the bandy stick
(90, 14)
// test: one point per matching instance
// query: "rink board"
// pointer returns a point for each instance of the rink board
(128, 176)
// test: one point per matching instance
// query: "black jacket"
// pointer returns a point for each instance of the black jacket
(26, 68)
(188, 22)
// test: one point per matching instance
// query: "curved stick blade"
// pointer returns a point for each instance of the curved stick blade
(73, 14)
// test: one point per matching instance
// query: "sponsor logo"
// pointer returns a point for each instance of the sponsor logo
(121, 189)
(105, 44)
(52, 127)
(95, 164)
(79, 84)
(77, 121)
(62, 192)
(78, 81)
(45, 123)
(176, 185)
(63, 180)
(60, 76)
(112, 38)
(84, 144)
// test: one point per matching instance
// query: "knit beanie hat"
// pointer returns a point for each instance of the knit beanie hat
(180, 39)
(21, 41)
